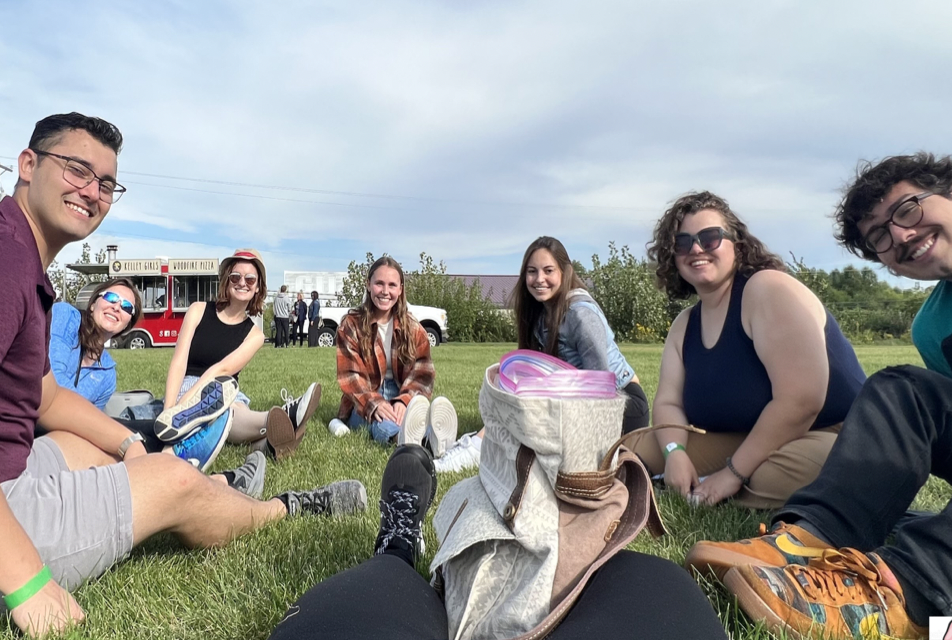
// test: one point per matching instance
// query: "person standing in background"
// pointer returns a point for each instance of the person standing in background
(282, 309)
(300, 315)
(313, 320)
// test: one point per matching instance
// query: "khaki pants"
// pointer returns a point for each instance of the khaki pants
(792, 466)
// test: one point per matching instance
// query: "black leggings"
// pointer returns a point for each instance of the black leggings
(637, 414)
(633, 596)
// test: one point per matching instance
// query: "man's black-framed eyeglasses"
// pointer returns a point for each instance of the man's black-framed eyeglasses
(708, 239)
(906, 214)
(79, 175)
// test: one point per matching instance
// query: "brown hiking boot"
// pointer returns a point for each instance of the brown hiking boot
(843, 594)
(786, 544)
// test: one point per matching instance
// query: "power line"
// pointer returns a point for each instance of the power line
(351, 194)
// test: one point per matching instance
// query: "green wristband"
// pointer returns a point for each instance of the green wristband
(671, 447)
(28, 590)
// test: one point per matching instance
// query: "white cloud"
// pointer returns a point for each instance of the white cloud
(501, 120)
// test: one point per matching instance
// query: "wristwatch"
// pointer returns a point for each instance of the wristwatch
(671, 447)
(124, 447)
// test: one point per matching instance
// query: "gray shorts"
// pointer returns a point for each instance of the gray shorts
(79, 521)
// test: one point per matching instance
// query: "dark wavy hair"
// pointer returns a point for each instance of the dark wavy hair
(528, 310)
(90, 338)
(255, 305)
(874, 181)
(402, 342)
(750, 254)
(50, 130)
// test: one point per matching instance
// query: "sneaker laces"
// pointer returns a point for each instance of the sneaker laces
(398, 521)
(288, 399)
(844, 574)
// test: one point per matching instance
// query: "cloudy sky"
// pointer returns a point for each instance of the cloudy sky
(319, 131)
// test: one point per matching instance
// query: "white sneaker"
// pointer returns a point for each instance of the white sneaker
(414, 421)
(338, 428)
(463, 456)
(441, 425)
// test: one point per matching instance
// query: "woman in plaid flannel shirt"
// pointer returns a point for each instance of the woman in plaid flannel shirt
(385, 371)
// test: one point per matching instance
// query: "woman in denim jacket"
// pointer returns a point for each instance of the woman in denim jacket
(78, 358)
(555, 314)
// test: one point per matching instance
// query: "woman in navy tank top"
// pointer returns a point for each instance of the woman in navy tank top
(758, 363)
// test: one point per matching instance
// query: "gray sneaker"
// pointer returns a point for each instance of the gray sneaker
(336, 499)
(249, 477)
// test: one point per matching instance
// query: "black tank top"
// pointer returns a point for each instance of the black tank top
(726, 387)
(213, 341)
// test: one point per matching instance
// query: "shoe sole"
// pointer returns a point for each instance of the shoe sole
(308, 412)
(200, 406)
(280, 433)
(421, 454)
(714, 561)
(443, 425)
(414, 421)
(758, 610)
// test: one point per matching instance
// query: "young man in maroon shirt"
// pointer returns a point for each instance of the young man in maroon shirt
(76, 501)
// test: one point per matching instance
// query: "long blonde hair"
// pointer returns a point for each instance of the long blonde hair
(403, 342)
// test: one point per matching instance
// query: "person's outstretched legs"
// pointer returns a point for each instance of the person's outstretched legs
(384, 597)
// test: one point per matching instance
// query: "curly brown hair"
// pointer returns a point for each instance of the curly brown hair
(874, 181)
(528, 310)
(402, 342)
(90, 338)
(750, 254)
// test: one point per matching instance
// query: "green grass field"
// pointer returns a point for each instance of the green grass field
(243, 590)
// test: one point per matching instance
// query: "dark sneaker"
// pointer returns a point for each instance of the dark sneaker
(336, 499)
(202, 447)
(785, 544)
(199, 406)
(843, 594)
(406, 492)
(249, 477)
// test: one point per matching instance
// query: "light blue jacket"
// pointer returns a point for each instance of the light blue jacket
(586, 341)
(96, 382)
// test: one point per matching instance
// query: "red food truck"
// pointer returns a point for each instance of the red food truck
(167, 286)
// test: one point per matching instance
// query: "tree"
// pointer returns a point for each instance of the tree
(68, 282)
(624, 288)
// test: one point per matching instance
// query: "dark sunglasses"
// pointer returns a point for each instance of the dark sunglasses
(112, 298)
(235, 278)
(708, 239)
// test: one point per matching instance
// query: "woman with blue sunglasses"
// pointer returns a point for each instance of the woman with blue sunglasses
(757, 362)
(77, 338)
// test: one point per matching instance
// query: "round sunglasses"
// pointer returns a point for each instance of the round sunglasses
(112, 298)
(707, 239)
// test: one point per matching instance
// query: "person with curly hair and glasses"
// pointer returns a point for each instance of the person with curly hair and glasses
(757, 362)
(834, 561)
(77, 339)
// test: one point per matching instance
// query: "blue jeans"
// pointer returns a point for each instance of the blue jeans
(384, 430)
(897, 432)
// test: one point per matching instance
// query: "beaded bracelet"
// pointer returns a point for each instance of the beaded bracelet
(30, 589)
(744, 480)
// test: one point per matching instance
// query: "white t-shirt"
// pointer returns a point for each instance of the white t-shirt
(385, 329)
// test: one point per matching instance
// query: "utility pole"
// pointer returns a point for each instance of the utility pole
(3, 170)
